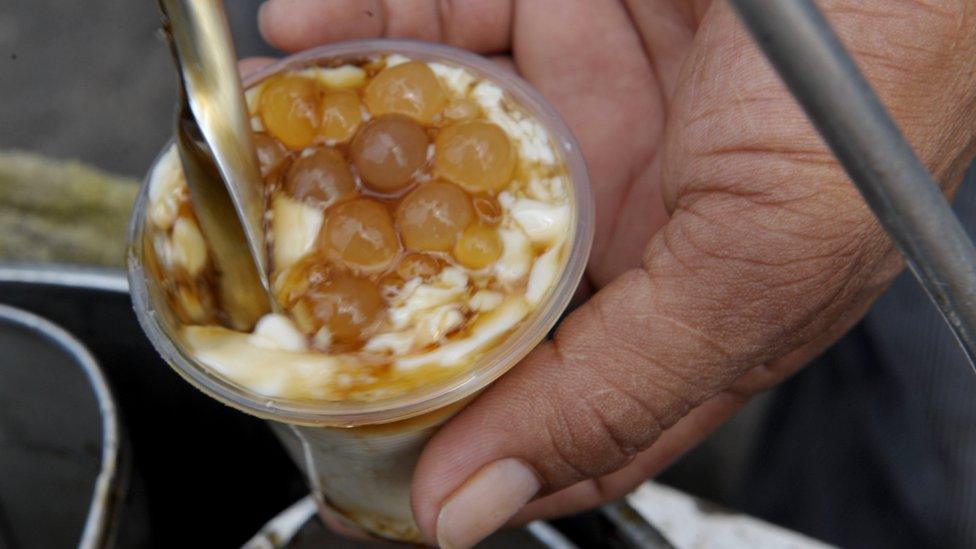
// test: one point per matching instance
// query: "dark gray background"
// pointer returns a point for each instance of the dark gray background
(91, 79)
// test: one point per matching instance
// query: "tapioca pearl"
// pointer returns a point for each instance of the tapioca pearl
(461, 109)
(418, 265)
(432, 216)
(487, 207)
(477, 155)
(289, 108)
(293, 283)
(388, 152)
(341, 115)
(348, 306)
(478, 247)
(322, 178)
(359, 235)
(390, 285)
(410, 89)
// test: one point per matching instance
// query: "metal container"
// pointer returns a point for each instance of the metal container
(60, 439)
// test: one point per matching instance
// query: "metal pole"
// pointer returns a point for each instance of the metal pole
(634, 527)
(810, 59)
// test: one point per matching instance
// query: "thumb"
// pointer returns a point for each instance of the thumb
(627, 365)
(623, 368)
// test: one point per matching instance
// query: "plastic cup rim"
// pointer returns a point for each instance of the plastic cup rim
(491, 365)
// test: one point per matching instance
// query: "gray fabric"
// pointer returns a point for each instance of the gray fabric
(874, 445)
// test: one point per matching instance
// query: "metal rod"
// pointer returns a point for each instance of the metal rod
(813, 63)
(547, 535)
(633, 527)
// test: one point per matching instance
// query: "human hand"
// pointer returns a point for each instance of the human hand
(730, 246)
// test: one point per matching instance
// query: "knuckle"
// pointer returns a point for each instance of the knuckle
(595, 434)
(634, 323)
(619, 398)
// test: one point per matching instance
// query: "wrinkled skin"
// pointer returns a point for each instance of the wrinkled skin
(730, 246)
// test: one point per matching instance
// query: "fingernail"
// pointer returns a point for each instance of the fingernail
(485, 502)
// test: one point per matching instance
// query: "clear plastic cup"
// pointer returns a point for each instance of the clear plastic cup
(359, 456)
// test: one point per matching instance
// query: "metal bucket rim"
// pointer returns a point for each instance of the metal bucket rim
(65, 275)
(98, 519)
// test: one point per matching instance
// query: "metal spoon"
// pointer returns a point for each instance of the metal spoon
(213, 136)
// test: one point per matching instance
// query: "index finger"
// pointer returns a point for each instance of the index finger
(483, 26)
